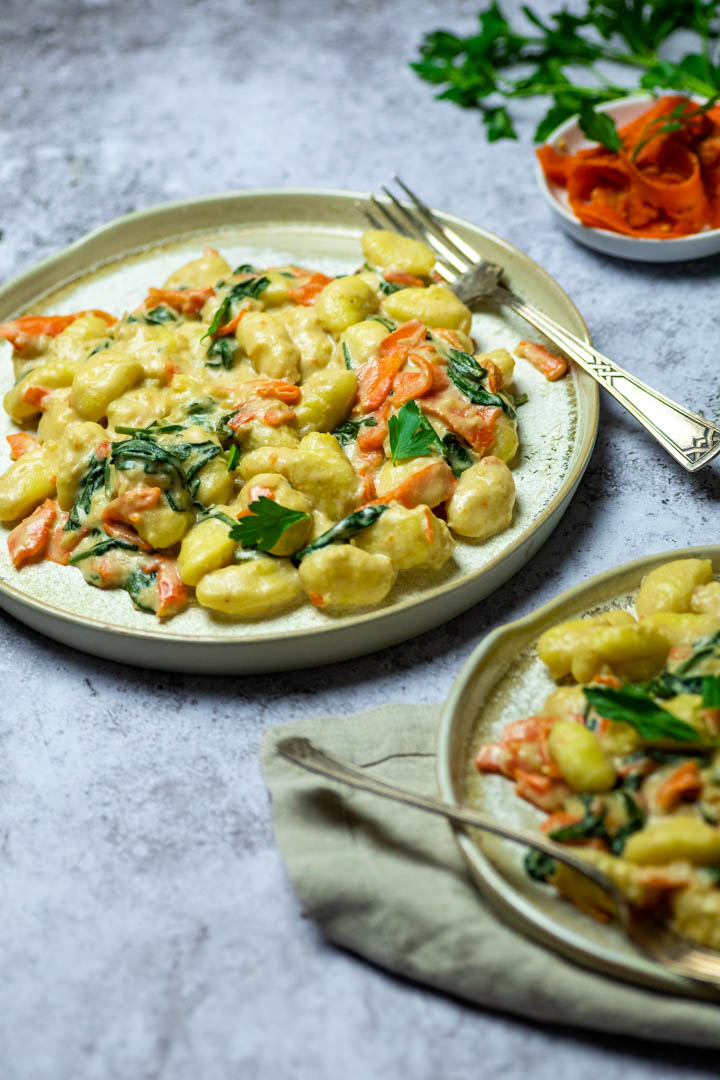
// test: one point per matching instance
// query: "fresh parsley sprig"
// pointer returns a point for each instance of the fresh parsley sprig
(412, 434)
(541, 56)
(261, 529)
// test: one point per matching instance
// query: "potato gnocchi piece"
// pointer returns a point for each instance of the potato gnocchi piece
(258, 587)
(342, 575)
(343, 302)
(221, 381)
(681, 629)
(361, 341)
(677, 838)
(271, 349)
(389, 250)
(207, 270)
(410, 538)
(483, 501)
(327, 398)
(434, 306)
(670, 587)
(581, 759)
(557, 645)
(28, 482)
(206, 547)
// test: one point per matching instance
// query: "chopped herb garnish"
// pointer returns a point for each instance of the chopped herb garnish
(96, 476)
(261, 529)
(389, 287)
(102, 547)
(346, 356)
(538, 865)
(592, 825)
(636, 818)
(150, 431)
(99, 348)
(387, 323)
(456, 455)
(348, 432)
(344, 530)
(412, 434)
(160, 314)
(222, 352)
(137, 582)
(633, 705)
(244, 268)
(205, 405)
(711, 691)
(251, 287)
(468, 376)
(233, 458)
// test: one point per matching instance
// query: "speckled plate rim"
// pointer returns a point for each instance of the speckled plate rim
(621, 960)
(182, 216)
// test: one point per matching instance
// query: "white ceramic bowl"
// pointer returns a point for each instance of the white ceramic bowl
(571, 138)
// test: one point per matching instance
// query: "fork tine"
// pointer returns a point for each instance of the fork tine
(374, 221)
(420, 232)
(448, 235)
(396, 225)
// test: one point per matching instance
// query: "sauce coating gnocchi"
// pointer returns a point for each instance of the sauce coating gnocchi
(625, 760)
(250, 438)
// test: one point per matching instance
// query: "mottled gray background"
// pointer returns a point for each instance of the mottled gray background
(146, 924)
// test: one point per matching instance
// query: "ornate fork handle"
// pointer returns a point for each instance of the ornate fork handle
(690, 439)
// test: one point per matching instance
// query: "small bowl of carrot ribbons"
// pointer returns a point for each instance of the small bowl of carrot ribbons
(657, 198)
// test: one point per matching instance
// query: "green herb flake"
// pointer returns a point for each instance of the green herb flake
(262, 528)
(412, 434)
(468, 376)
(233, 458)
(139, 581)
(456, 454)
(348, 432)
(538, 865)
(633, 705)
(344, 530)
(159, 315)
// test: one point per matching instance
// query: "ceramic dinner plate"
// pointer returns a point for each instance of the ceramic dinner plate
(111, 269)
(503, 680)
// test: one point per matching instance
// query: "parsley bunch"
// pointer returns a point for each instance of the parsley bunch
(541, 57)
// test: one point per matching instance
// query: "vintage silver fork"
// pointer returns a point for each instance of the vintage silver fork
(690, 439)
(652, 936)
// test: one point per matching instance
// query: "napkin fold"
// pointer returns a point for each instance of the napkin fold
(389, 882)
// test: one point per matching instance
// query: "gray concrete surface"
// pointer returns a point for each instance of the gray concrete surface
(147, 928)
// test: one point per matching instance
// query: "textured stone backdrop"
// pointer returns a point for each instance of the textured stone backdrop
(146, 926)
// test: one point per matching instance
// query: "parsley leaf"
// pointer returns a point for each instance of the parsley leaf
(633, 705)
(599, 127)
(412, 434)
(264, 525)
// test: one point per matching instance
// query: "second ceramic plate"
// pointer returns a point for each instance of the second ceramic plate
(502, 681)
(111, 269)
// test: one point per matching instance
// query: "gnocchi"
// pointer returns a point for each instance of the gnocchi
(248, 438)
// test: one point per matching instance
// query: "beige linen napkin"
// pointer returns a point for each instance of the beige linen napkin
(389, 883)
